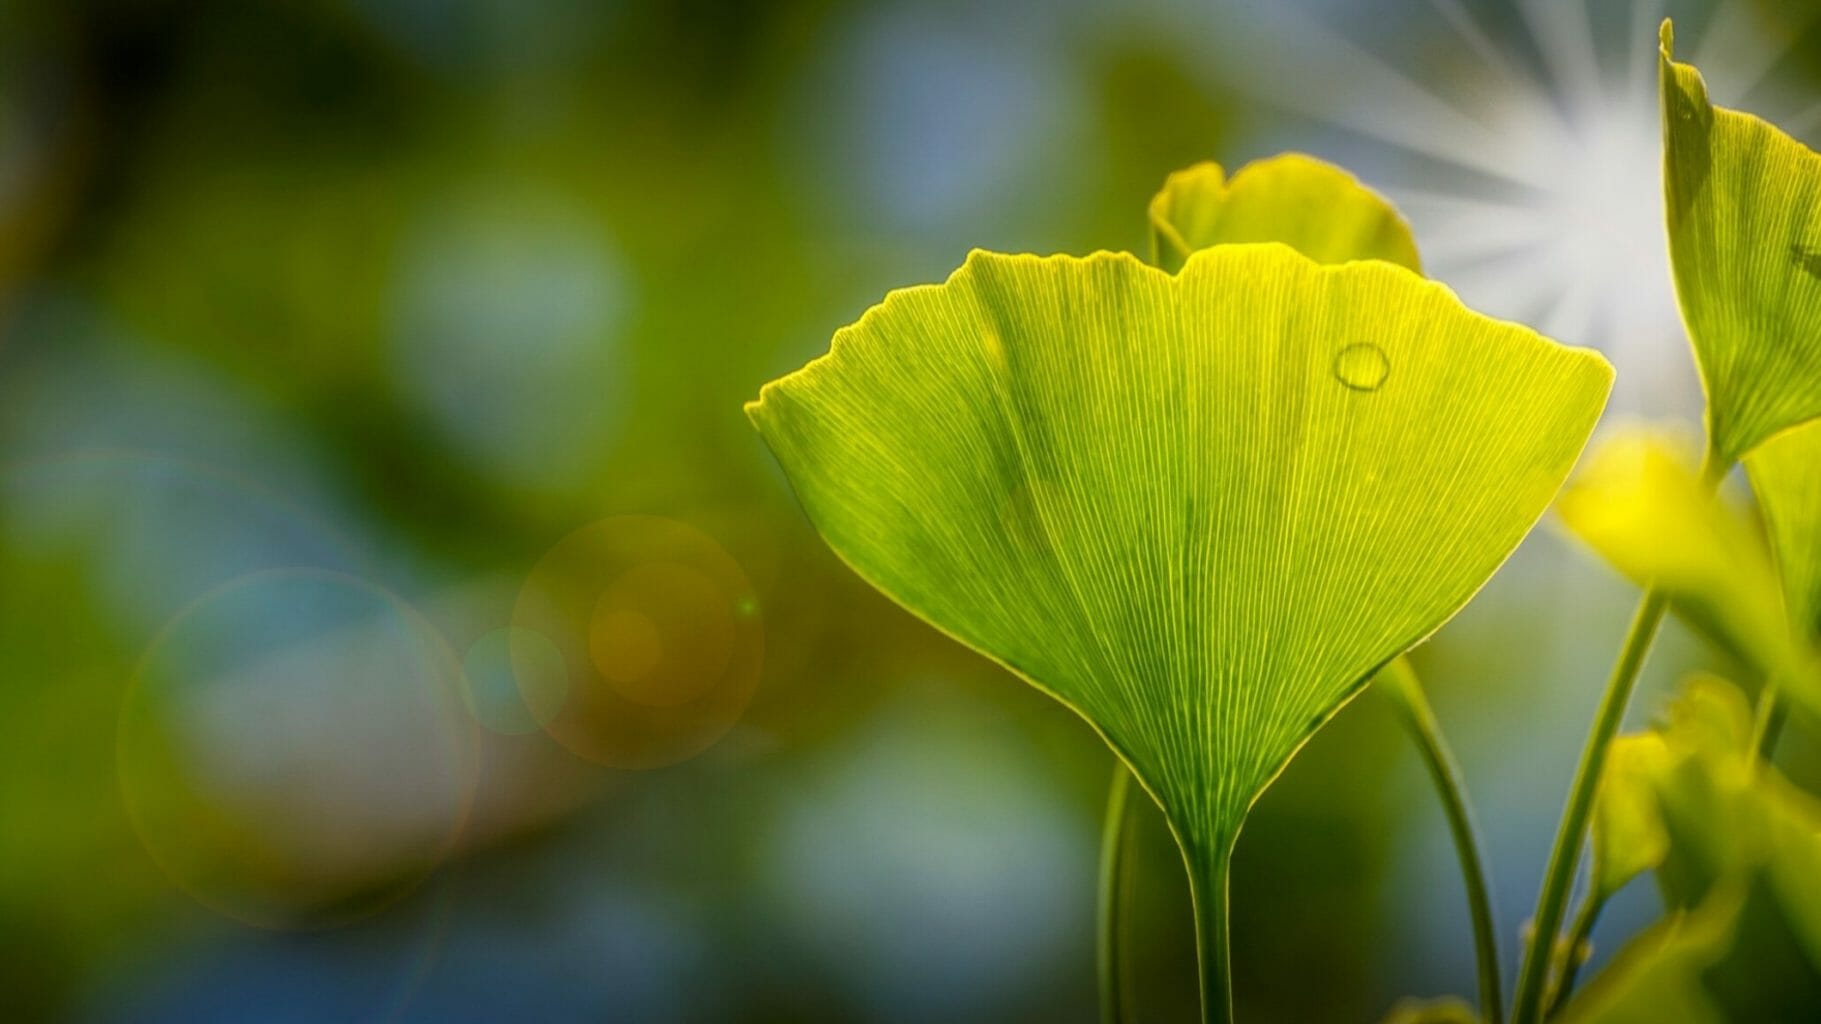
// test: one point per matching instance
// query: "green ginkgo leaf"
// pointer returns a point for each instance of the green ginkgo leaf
(1314, 207)
(1202, 509)
(1786, 475)
(1744, 214)
(1640, 503)
(1628, 834)
(1738, 872)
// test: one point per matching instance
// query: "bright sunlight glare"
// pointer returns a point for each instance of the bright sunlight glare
(1534, 182)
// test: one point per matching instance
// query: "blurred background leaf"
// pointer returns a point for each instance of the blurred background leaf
(1743, 939)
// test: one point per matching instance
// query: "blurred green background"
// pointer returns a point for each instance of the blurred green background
(399, 620)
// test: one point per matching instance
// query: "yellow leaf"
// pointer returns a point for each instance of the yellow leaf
(1628, 835)
(1640, 503)
(1314, 207)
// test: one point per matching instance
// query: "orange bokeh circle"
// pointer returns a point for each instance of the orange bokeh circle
(661, 631)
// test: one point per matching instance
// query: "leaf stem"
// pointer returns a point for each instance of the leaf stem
(1451, 788)
(1115, 857)
(1576, 951)
(1565, 855)
(1208, 872)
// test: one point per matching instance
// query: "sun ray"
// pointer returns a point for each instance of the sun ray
(1737, 52)
(1462, 21)
(1713, 41)
(1640, 50)
(1464, 253)
(1463, 230)
(1409, 197)
(1576, 311)
(1755, 49)
(1489, 285)
(1385, 105)
(1804, 124)
(1539, 202)
(1565, 37)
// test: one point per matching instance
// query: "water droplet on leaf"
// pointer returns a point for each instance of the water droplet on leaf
(1361, 366)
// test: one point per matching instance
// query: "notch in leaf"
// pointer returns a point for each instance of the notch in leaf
(1744, 215)
(1188, 506)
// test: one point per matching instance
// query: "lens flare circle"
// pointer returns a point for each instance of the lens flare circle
(293, 750)
(661, 630)
(508, 674)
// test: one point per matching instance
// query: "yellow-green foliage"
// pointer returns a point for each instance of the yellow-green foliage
(1736, 849)
(1314, 207)
(1200, 509)
(1744, 213)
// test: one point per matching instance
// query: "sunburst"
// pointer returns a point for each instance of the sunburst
(1532, 176)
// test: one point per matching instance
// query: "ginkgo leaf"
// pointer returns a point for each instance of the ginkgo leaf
(1738, 875)
(1326, 214)
(1639, 502)
(1744, 214)
(1314, 207)
(1786, 475)
(1628, 834)
(1202, 509)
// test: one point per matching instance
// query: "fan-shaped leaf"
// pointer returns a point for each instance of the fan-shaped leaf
(1200, 509)
(1314, 207)
(1744, 210)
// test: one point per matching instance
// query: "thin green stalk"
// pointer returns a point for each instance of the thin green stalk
(1565, 855)
(1208, 871)
(1576, 951)
(1420, 719)
(1767, 724)
(1558, 878)
(1115, 858)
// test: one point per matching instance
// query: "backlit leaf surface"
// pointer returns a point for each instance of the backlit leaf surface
(1314, 207)
(1199, 509)
(1744, 214)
